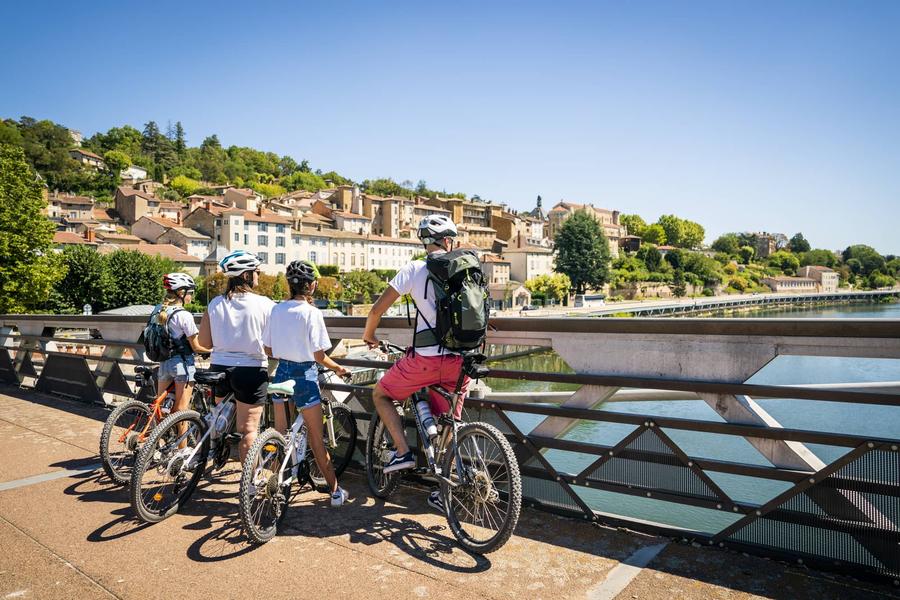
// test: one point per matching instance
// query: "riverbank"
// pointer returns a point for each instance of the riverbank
(713, 305)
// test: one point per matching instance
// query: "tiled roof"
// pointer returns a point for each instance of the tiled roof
(493, 258)
(529, 250)
(160, 221)
(80, 200)
(67, 237)
(85, 153)
(349, 215)
(189, 233)
(104, 214)
(267, 216)
(167, 251)
(118, 237)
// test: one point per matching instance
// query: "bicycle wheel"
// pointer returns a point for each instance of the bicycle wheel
(483, 509)
(341, 451)
(379, 447)
(122, 438)
(263, 504)
(161, 482)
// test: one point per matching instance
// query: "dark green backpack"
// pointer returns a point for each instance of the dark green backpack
(462, 300)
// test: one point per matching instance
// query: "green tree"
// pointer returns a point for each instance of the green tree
(46, 147)
(798, 244)
(301, 180)
(784, 261)
(87, 280)
(817, 256)
(869, 260)
(554, 286)
(878, 279)
(136, 278)
(361, 286)
(185, 186)
(652, 257)
(634, 223)
(329, 270)
(180, 144)
(655, 234)
(747, 253)
(27, 273)
(582, 252)
(727, 243)
(674, 228)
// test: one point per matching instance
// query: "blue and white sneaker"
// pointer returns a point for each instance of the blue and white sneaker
(436, 502)
(339, 497)
(400, 462)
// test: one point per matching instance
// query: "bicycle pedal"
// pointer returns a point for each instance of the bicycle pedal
(233, 437)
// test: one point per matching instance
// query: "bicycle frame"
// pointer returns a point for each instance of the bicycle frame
(155, 414)
(207, 433)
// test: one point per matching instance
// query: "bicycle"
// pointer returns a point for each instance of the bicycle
(274, 464)
(171, 462)
(478, 473)
(129, 425)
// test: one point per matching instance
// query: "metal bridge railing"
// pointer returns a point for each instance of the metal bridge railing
(648, 471)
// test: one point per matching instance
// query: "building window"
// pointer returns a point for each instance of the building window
(246, 226)
(279, 229)
(352, 260)
(262, 240)
(262, 227)
(246, 239)
(237, 237)
(263, 257)
(279, 258)
(279, 242)
(236, 221)
(312, 256)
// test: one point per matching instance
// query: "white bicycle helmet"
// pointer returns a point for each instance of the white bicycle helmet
(435, 227)
(239, 261)
(178, 281)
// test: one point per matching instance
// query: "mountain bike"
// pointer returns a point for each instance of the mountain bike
(273, 465)
(171, 462)
(129, 425)
(474, 464)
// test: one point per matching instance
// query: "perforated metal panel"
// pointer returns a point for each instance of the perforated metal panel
(666, 472)
(852, 516)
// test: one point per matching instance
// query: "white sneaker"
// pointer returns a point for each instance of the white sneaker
(339, 497)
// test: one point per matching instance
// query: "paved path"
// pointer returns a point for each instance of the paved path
(66, 532)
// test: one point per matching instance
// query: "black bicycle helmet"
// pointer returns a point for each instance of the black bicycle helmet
(301, 270)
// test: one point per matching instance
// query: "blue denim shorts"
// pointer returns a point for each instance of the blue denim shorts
(306, 382)
(178, 368)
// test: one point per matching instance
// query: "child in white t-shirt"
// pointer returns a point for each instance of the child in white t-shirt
(295, 334)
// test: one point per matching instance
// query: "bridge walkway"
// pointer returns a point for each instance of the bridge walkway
(66, 532)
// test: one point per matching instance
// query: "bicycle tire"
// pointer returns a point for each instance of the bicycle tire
(345, 433)
(119, 469)
(378, 443)
(504, 459)
(257, 533)
(155, 510)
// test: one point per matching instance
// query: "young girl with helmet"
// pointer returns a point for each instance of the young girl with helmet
(184, 335)
(232, 326)
(297, 337)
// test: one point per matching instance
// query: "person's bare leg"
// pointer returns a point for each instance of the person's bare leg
(247, 425)
(312, 416)
(387, 411)
(182, 399)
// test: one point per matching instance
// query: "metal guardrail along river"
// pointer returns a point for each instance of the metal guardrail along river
(841, 515)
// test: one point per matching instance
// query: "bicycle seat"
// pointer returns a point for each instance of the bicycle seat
(209, 377)
(476, 371)
(145, 371)
(285, 388)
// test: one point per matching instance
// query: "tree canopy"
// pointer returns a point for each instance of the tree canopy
(582, 252)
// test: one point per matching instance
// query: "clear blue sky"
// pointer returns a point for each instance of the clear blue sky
(777, 116)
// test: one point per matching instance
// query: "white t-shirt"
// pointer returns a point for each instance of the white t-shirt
(237, 326)
(413, 280)
(296, 331)
(180, 323)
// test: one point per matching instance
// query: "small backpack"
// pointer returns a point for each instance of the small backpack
(462, 302)
(158, 341)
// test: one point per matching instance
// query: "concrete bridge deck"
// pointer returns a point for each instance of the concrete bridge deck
(66, 532)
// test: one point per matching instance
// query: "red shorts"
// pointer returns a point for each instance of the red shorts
(414, 371)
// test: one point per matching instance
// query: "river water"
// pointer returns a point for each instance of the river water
(880, 421)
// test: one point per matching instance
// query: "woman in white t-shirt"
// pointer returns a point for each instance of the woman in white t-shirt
(184, 335)
(297, 337)
(233, 325)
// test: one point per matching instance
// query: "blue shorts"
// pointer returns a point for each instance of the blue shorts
(181, 369)
(306, 382)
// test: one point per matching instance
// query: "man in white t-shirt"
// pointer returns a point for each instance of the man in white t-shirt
(426, 363)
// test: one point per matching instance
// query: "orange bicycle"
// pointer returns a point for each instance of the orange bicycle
(130, 424)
